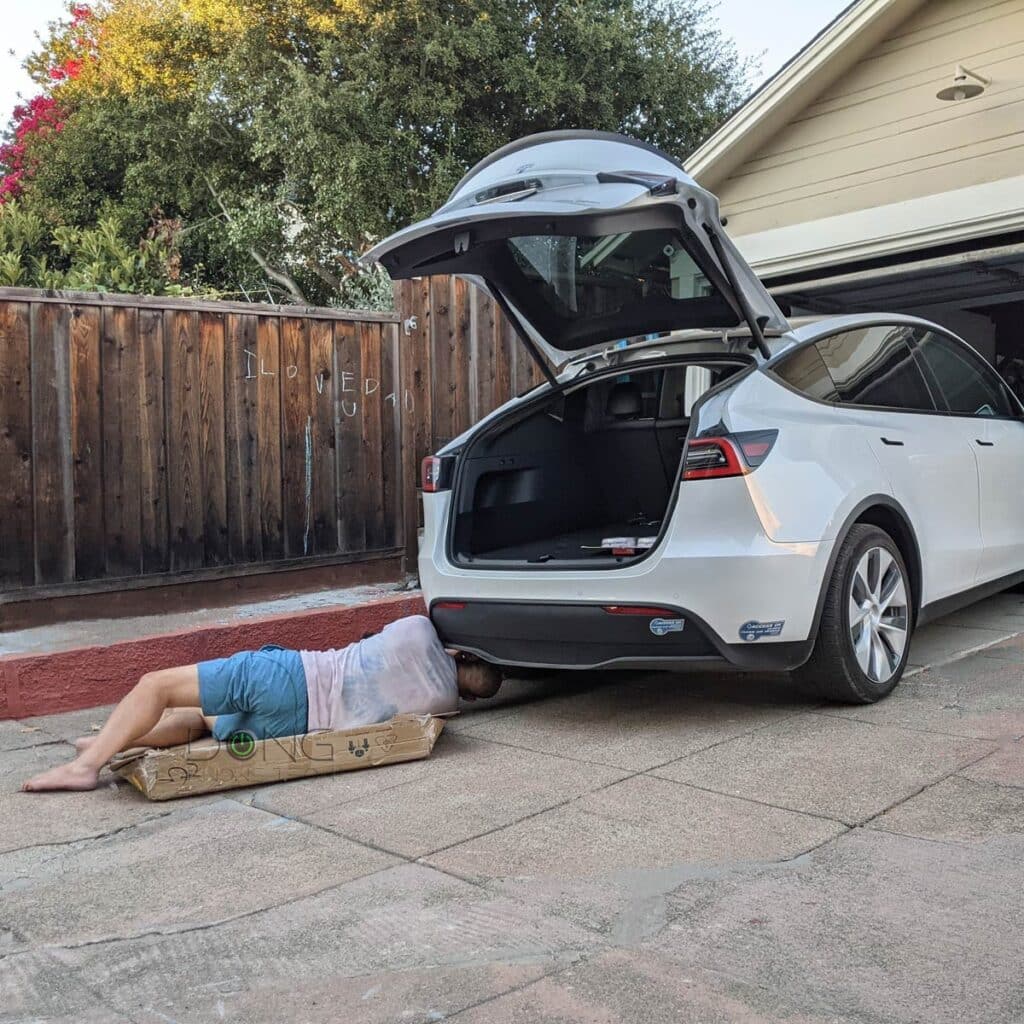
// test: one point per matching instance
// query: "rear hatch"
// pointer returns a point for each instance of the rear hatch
(584, 239)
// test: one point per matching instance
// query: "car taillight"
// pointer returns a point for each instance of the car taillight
(728, 455)
(437, 471)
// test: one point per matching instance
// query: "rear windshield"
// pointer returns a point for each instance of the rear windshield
(618, 285)
(579, 276)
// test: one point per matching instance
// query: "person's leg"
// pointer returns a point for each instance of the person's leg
(177, 726)
(135, 716)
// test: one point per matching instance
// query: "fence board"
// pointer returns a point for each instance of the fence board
(505, 347)
(152, 444)
(415, 373)
(296, 437)
(348, 374)
(462, 362)
(245, 538)
(370, 414)
(391, 434)
(322, 393)
(87, 443)
(268, 436)
(184, 438)
(53, 484)
(442, 348)
(211, 438)
(121, 367)
(16, 525)
(485, 340)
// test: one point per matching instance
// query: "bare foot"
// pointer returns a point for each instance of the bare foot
(64, 776)
(84, 743)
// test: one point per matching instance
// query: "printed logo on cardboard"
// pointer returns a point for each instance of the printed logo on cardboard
(754, 630)
(661, 627)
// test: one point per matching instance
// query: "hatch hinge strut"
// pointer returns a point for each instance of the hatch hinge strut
(756, 333)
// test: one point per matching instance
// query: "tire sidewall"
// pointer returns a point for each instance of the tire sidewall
(858, 545)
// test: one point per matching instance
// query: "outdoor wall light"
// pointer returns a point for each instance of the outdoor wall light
(966, 85)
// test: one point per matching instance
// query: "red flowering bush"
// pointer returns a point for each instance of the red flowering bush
(31, 121)
(40, 116)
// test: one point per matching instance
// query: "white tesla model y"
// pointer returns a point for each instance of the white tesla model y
(725, 485)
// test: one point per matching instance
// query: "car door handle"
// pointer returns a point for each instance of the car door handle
(984, 444)
(890, 441)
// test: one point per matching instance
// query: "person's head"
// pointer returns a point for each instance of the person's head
(476, 678)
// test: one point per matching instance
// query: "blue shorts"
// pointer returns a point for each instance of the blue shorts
(260, 692)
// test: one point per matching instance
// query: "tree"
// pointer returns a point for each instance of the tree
(287, 136)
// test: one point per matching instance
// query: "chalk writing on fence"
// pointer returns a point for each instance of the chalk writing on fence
(351, 384)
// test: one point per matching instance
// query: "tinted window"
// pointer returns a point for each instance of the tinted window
(580, 276)
(875, 366)
(580, 289)
(967, 383)
(806, 371)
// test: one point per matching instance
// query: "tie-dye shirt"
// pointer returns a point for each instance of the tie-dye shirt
(401, 670)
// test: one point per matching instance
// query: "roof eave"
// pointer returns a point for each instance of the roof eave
(837, 47)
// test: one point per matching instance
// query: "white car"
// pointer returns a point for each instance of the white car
(723, 487)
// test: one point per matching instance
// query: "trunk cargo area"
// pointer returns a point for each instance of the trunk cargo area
(548, 487)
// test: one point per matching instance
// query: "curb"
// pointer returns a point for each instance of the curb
(86, 677)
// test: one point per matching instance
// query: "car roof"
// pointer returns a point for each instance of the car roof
(806, 330)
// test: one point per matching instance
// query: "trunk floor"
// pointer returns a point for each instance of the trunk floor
(568, 545)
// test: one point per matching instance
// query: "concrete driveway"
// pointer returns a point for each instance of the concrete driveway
(638, 849)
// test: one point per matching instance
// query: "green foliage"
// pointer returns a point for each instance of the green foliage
(284, 155)
(98, 258)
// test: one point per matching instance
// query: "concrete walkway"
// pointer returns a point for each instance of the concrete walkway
(639, 849)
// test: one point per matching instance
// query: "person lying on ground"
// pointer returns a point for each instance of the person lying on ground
(273, 692)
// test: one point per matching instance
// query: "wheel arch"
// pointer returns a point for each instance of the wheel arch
(891, 518)
(885, 512)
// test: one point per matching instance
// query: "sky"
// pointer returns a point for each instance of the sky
(772, 30)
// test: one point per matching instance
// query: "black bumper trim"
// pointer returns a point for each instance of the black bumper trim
(580, 635)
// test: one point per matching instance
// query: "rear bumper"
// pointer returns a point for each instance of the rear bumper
(586, 636)
(715, 563)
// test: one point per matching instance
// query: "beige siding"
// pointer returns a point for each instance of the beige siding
(879, 134)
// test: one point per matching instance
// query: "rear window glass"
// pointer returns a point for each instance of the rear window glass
(580, 276)
(634, 282)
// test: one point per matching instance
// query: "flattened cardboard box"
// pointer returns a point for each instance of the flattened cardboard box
(209, 765)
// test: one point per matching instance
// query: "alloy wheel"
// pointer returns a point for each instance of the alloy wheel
(879, 614)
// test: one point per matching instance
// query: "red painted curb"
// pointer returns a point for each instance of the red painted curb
(44, 684)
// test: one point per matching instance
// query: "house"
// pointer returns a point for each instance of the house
(883, 169)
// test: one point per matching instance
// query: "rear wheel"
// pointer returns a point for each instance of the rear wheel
(864, 635)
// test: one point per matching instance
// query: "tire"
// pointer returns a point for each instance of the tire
(866, 623)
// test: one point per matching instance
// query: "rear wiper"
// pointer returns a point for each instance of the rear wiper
(509, 191)
(656, 184)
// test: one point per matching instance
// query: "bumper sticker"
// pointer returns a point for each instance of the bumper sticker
(659, 627)
(754, 630)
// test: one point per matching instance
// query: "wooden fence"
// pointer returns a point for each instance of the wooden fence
(154, 440)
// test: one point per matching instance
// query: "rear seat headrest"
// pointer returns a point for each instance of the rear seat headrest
(624, 401)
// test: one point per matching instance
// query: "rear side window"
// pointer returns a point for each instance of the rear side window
(875, 366)
(805, 370)
(969, 386)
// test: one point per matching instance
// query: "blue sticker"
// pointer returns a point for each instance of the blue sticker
(659, 627)
(754, 630)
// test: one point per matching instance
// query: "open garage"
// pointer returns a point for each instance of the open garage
(880, 171)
